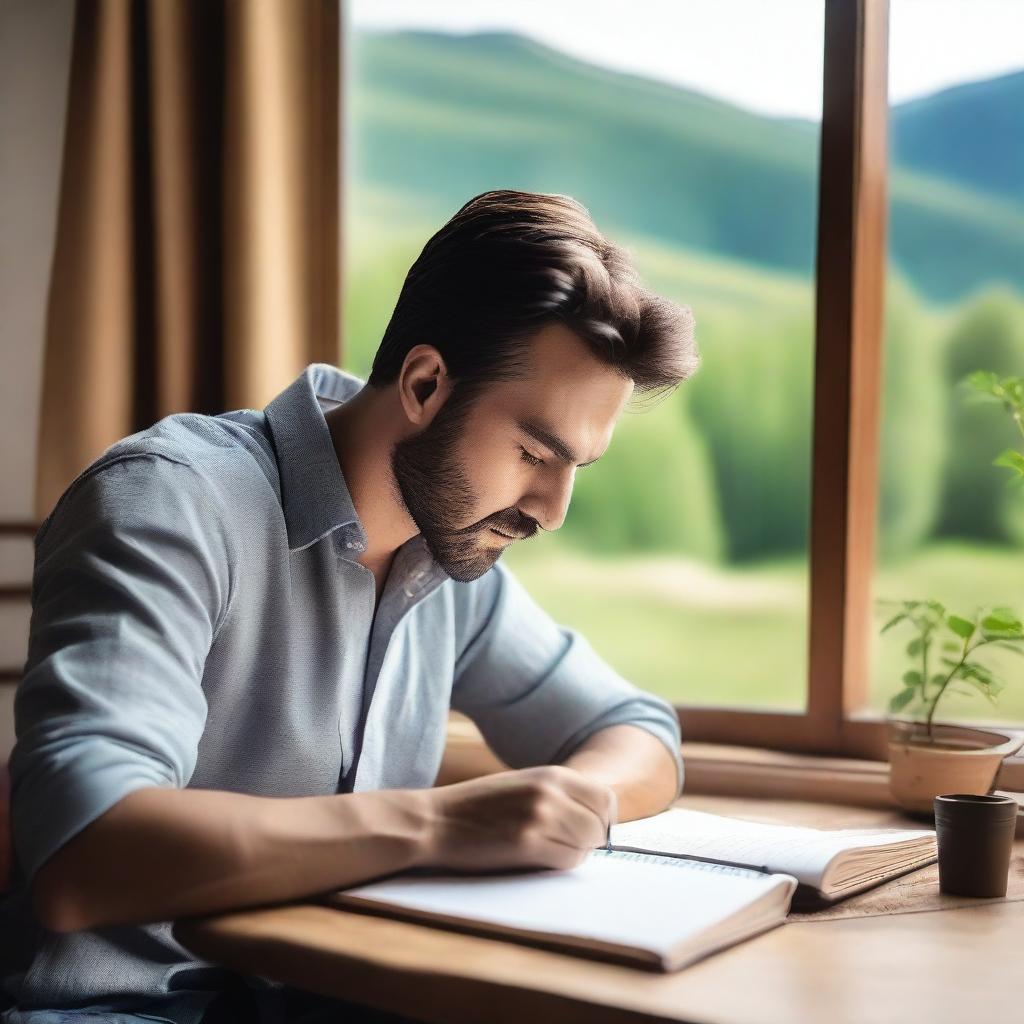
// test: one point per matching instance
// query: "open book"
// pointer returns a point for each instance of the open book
(829, 864)
(661, 897)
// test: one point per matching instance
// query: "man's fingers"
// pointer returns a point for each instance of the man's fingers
(595, 796)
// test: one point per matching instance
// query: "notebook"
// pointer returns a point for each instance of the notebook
(828, 864)
(672, 889)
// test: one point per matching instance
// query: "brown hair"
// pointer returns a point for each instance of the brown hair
(507, 264)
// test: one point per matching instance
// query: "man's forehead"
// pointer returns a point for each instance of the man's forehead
(556, 363)
(556, 350)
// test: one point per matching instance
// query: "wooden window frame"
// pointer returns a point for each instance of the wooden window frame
(849, 321)
(849, 317)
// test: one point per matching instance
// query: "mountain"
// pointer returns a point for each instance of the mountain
(972, 134)
(438, 118)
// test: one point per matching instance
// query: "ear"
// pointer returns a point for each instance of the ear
(423, 384)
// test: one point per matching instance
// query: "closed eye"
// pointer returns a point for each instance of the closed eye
(531, 460)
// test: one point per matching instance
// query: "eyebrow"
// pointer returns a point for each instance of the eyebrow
(551, 442)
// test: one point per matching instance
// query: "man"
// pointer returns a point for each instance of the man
(248, 629)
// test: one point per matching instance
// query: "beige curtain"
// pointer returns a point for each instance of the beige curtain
(196, 259)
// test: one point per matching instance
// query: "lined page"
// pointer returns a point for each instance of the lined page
(802, 852)
(672, 862)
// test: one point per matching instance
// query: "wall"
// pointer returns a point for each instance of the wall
(35, 50)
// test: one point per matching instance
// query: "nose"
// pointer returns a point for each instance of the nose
(550, 503)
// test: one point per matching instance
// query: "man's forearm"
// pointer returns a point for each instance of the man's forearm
(160, 854)
(635, 763)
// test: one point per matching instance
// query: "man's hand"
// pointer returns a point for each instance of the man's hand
(550, 816)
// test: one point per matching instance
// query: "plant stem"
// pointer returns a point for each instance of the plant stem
(924, 668)
(942, 690)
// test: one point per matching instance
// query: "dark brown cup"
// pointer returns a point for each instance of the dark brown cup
(975, 837)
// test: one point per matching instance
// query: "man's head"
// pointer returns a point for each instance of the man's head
(519, 336)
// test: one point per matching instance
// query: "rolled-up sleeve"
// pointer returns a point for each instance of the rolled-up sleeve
(536, 689)
(130, 583)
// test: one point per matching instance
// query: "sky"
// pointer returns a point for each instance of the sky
(765, 55)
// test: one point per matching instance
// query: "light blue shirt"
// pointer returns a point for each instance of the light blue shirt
(199, 619)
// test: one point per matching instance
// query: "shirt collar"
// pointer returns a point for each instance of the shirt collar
(314, 495)
(315, 498)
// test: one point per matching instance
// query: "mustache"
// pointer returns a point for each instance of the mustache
(509, 521)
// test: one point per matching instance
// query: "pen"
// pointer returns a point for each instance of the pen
(608, 838)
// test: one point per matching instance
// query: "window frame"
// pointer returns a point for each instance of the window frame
(849, 311)
(849, 330)
(849, 319)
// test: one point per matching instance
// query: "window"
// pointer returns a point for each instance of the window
(723, 553)
(692, 531)
(950, 525)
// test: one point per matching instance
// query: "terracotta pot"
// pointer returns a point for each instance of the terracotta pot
(958, 760)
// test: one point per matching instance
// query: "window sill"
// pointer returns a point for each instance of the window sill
(722, 770)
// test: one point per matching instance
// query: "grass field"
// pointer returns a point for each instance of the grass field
(700, 635)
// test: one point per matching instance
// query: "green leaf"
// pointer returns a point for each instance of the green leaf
(984, 381)
(982, 689)
(912, 678)
(1011, 458)
(969, 670)
(1006, 613)
(960, 626)
(1001, 622)
(1014, 388)
(900, 700)
(914, 647)
(892, 622)
(1002, 634)
(950, 645)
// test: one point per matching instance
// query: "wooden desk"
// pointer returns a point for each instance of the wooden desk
(940, 965)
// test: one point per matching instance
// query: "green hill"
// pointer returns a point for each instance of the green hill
(972, 134)
(438, 118)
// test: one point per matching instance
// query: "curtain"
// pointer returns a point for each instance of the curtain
(196, 259)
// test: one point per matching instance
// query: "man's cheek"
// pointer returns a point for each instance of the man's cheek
(500, 498)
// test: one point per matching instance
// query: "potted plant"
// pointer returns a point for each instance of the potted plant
(926, 757)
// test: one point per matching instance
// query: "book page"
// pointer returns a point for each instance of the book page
(649, 903)
(802, 852)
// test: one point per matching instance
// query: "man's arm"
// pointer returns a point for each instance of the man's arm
(540, 694)
(634, 763)
(163, 853)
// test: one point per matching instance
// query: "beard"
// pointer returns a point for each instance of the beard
(437, 494)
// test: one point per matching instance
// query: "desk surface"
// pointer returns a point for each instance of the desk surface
(939, 965)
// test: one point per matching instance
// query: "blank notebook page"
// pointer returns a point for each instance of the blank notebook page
(649, 902)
